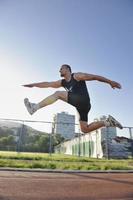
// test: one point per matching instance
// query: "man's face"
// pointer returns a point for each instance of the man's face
(63, 70)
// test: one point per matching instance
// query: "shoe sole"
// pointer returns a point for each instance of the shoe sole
(118, 124)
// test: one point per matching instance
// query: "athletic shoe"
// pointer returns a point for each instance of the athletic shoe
(31, 107)
(113, 122)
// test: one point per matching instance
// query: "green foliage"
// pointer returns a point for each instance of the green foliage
(22, 138)
(29, 143)
(5, 132)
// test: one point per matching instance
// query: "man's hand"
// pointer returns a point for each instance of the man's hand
(114, 85)
(29, 85)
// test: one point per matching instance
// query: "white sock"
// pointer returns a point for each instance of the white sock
(35, 106)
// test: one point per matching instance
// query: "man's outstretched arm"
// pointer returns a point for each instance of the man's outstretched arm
(53, 84)
(90, 77)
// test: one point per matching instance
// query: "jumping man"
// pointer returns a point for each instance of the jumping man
(76, 94)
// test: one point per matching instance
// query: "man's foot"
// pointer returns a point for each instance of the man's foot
(31, 107)
(113, 122)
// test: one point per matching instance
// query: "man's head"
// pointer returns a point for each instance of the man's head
(65, 69)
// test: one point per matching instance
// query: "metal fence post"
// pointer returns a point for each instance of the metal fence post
(107, 143)
(19, 142)
(97, 144)
(130, 132)
(79, 143)
(50, 144)
(51, 139)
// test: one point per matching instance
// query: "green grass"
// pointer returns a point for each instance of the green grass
(58, 161)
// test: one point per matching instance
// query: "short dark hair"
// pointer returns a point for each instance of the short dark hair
(67, 66)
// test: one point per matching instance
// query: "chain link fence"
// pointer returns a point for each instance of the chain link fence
(20, 136)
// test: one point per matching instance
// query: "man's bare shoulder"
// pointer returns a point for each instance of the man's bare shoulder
(79, 76)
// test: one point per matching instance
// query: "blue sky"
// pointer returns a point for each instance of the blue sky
(93, 36)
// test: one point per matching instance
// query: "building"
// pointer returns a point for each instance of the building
(126, 142)
(91, 145)
(88, 145)
(96, 144)
(64, 124)
(107, 133)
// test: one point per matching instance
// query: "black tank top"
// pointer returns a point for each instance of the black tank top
(76, 87)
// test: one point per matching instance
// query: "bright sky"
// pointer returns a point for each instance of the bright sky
(93, 36)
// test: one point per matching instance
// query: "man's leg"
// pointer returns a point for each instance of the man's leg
(62, 95)
(109, 122)
(86, 128)
(32, 107)
(83, 118)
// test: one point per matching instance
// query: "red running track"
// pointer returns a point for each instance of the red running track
(65, 186)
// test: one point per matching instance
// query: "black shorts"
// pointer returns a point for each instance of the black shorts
(82, 104)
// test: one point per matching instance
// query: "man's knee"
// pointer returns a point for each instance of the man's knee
(84, 128)
(57, 94)
(62, 95)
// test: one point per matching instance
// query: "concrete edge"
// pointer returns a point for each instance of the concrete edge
(63, 171)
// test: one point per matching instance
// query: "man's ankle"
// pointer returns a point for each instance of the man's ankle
(106, 123)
